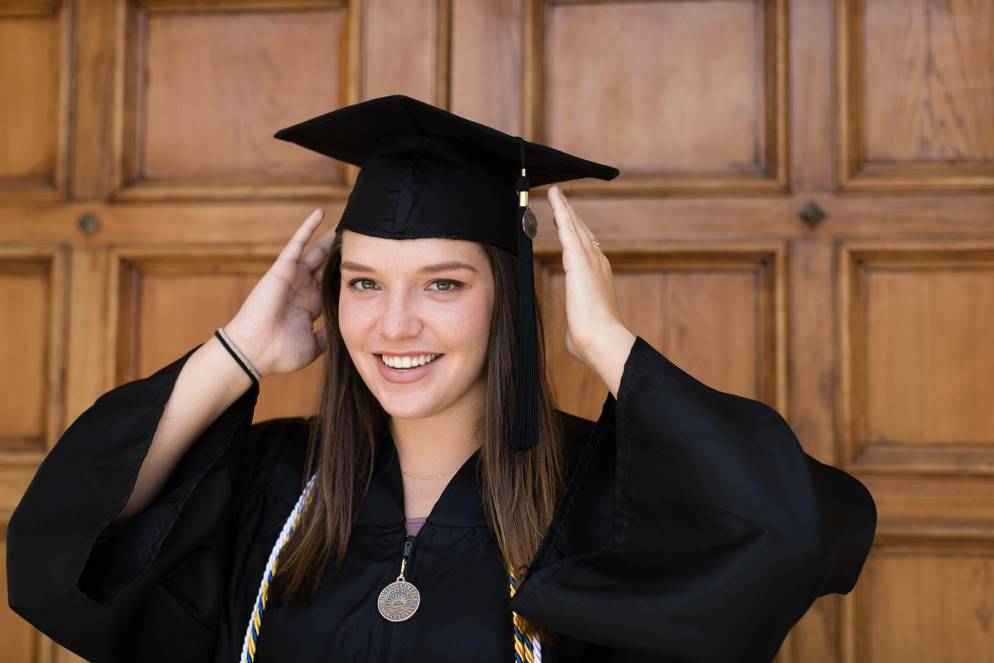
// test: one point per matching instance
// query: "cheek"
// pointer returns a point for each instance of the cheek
(354, 320)
(467, 326)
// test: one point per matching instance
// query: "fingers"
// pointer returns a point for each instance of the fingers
(322, 339)
(572, 231)
(568, 236)
(295, 247)
(586, 235)
(318, 253)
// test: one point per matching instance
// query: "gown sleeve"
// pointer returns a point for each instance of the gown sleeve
(148, 588)
(694, 527)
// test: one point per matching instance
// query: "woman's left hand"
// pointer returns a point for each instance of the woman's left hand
(595, 334)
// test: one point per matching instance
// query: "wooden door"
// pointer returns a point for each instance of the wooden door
(805, 216)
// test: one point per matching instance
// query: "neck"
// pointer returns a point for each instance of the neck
(442, 442)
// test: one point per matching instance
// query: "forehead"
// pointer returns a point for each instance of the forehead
(408, 253)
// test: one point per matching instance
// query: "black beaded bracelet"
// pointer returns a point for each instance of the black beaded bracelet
(239, 357)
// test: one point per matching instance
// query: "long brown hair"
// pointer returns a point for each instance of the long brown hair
(519, 490)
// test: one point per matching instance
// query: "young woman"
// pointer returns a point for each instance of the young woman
(399, 523)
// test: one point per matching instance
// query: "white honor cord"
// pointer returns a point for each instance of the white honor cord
(271, 565)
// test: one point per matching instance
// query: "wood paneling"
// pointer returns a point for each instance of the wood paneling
(939, 508)
(405, 49)
(918, 360)
(934, 102)
(33, 119)
(921, 217)
(917, 95)
(712, 119)
(485, 71)
(715, 310)
(31, 349)
(169, 299)
(206, 89)
(909, 601)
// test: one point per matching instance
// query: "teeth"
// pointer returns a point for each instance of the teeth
(408, 361)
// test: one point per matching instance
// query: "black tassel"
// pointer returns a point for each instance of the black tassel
(524, 430)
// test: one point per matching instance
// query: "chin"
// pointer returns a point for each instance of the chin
(417, 407)
(423, 398)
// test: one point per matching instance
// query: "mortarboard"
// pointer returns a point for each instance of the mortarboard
(427, 172)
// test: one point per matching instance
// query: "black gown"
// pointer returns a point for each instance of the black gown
(693, 528)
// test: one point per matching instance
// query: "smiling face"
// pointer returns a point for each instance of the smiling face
(415, 317)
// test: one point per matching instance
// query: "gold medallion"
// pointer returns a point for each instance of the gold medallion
(529, 223)
(398, 600)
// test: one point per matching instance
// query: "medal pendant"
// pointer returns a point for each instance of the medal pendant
(529, 224)
(398, 600)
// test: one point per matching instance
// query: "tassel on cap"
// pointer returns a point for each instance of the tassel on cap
(524, 430)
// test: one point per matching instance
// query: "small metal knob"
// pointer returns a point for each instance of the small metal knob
(811, 214)
(89, 223)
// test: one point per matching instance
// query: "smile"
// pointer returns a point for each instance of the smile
(408, 368)
(408, 361)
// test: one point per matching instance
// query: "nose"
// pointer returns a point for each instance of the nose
(400, 319)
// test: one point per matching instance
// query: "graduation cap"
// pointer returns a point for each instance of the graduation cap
(426, 172)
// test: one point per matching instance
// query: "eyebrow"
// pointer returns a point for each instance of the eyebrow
(427, 269)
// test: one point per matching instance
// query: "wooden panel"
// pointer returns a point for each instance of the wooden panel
(930, 373)
(710, 119)
(32, 350)
(935, 101)
(485, 72)
(715, 311)
(920, 362)
(919, 217)
(911, 601)
(87, 309)
(240, 77)
(30, 285)
(812, 105)
(947, 509)
(172, 298)
(918, 94)
(32, 116)
(404, 49)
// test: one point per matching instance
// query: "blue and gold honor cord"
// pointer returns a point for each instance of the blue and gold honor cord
(526, 650)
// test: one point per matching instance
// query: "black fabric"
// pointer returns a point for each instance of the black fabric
(427, 172)
(694, 528)
(352, 132)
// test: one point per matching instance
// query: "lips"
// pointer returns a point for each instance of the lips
(407, 361)
(405, 375)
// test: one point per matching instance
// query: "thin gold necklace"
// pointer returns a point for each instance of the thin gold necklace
(428, 476)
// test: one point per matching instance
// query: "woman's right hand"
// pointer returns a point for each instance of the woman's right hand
(274, 326)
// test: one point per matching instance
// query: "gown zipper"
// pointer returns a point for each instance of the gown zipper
(408, 545)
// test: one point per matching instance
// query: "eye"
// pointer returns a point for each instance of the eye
(353, 283)
(446, 285)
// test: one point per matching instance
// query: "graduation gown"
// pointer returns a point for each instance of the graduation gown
(693, 528)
